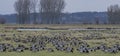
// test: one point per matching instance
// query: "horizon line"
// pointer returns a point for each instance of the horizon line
(62, 12)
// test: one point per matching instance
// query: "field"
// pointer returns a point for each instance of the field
(110, 36)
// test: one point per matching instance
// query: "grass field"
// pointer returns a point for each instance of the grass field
(108, 37)
(44, 53)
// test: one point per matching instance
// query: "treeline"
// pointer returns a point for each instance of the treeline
(50, 12)
(114, 14)
(77, 18)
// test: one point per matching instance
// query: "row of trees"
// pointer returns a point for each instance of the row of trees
(49, 10)
(114, 14)
(22, 8)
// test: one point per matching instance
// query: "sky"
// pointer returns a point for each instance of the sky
(6, 6)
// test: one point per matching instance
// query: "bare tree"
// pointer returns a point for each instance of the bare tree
(114, 14)
(22, 8)
(51, 11)
(34, 4)
(18, 9)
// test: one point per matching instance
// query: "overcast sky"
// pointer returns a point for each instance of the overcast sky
(6, 6)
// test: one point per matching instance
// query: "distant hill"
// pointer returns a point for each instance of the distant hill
(69, 18)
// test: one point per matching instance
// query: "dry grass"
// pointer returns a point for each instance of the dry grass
(107, 35)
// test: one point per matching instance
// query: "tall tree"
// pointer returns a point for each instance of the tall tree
(22, 7)
(34, 4)
(114, 14)
(18, 9)
(51, 11)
